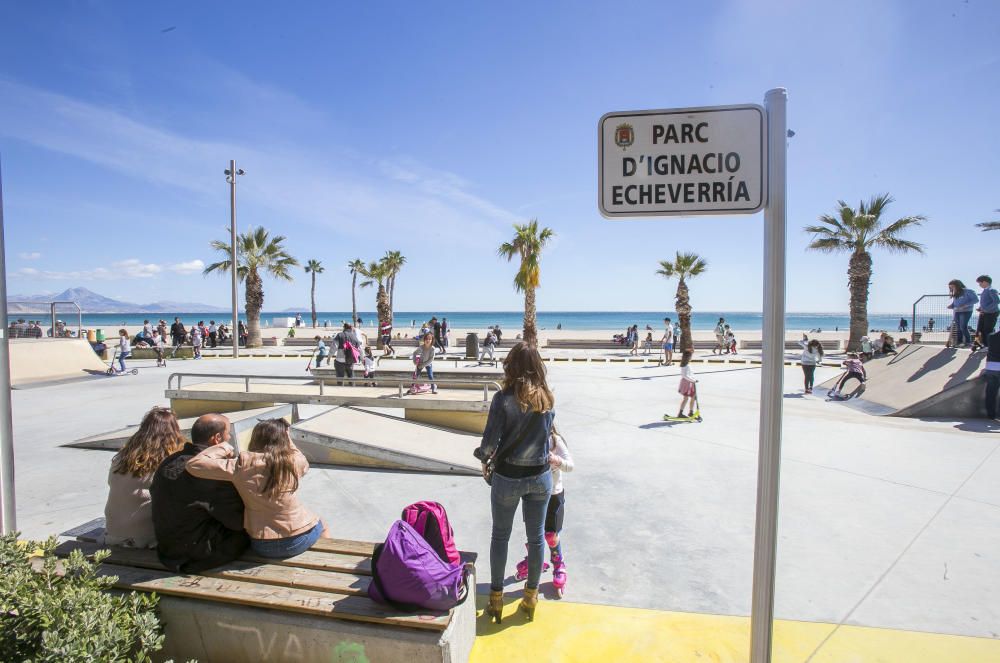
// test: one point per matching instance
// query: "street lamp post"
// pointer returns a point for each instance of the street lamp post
(8, 522)
(231, 174)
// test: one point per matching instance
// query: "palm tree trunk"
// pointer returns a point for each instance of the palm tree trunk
(683, 305)
(530, 324)
(392, 292)
(382, 303)
(255, 300)
(354, 299)
(313, 298)
(859, 274)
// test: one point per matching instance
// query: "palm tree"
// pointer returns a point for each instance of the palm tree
(257, 255)
(313, 267)
(527, 244)
(394, 261)
(356, 266)
(377, 272)
(684, 266)
(989, 225)
(857, 231)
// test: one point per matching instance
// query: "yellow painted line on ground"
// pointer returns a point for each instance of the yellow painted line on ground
(581, 633)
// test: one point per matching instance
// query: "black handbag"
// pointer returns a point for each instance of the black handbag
(498, 456)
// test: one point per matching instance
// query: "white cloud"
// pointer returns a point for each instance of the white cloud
(189, 267)
(349, 193)
(33, 255)
(124, 269)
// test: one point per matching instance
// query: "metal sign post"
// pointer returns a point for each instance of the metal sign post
(718, 160)
(8, 521)
(771, 384)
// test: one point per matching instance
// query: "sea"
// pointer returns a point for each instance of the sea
(569, 320)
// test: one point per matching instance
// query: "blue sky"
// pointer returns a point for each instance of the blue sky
(430, 128)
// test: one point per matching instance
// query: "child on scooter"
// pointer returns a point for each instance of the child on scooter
(124, 350)
(686, 388)
(423, 357)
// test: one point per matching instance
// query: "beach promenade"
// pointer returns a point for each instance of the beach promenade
(889, 529)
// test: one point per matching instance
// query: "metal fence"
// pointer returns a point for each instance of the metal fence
(931, 320)
(31, 325)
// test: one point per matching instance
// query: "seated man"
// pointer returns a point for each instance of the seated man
(198, 522)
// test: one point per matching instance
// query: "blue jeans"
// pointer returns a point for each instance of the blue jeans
(121, 361)
(288, 547)
(504, 498)
(962, 327)
(429, 368)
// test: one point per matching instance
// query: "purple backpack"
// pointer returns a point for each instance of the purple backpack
(408, 574)
(430, 520)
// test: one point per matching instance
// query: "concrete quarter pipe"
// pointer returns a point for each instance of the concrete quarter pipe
(922, 381)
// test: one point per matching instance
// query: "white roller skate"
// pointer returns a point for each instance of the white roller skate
(522, 568)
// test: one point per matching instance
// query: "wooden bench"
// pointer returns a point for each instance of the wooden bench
(310, 607)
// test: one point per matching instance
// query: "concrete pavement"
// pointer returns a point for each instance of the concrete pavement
(884, 522)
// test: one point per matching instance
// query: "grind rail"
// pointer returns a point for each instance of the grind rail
(309, 381)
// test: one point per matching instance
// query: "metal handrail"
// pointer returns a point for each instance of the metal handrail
(400, 384)
(457, 360)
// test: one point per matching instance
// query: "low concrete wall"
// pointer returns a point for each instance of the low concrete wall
(472, 422)
(211, 631)
(185, 407)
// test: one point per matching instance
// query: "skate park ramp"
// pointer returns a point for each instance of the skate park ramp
(921, 381)
(354, 437)
(36, 361)
(242, 424)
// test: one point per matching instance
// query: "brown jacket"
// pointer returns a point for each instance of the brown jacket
(264, 517)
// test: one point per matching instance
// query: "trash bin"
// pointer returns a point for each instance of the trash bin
(472, 346)
(100, 335)
(91, 336)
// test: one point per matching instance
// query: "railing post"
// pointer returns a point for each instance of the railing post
(246, 382)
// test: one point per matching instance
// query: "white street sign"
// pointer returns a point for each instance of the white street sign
(683, 161)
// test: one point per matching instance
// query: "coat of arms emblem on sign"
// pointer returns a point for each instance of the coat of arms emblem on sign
(624, 135)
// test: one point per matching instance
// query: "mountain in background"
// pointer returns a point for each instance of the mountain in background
(91, 302)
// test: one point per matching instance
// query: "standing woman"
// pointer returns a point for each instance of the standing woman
(962, 302)
(267, 478)
(517, 438)
(128, 513)
(812, 356)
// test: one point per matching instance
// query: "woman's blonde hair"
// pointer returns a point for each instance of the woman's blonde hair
(524, 373)
(158, 437)
(270, 439)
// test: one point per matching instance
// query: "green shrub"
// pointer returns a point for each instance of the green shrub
(61, 610)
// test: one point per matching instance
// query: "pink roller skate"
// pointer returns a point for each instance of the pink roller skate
(522, 568)
(559, 575)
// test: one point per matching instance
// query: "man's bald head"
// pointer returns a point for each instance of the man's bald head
(209, 430)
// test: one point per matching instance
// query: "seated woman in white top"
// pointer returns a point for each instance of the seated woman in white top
(128, 512)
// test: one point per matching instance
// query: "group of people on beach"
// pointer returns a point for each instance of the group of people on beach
(200, 335)
(22, 328)
(202, 503)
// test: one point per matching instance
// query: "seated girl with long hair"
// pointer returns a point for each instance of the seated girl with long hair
(128, 513)
(267, 478)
